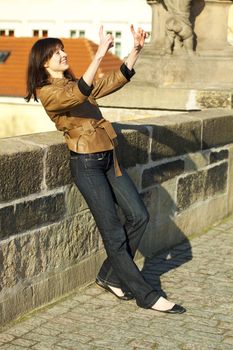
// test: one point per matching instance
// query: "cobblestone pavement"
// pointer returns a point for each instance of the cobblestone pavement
(197, 274)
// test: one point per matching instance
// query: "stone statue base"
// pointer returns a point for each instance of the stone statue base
(177, 83)
(188, 64)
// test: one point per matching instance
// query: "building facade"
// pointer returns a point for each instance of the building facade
(75, 18)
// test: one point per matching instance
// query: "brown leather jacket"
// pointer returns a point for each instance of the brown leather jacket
(72, 106)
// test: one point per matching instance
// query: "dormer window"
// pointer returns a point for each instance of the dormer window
(3, 56)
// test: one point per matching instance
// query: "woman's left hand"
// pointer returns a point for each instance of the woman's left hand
(139, 37)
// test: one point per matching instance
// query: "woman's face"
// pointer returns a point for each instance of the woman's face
(57, 64)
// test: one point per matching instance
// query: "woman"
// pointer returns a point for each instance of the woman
(71, 104)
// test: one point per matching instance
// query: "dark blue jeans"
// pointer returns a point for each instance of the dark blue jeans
(94, 176)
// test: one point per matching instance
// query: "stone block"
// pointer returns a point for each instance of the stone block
(33, 213)
(160, 236)
(214, 99)
(175, 135)
(75, 203)
(216, 179)
(55, 285)
(47, 287)
(135, 174)
(151, 199)
(201, 185)
(15, 303)
(160, 233)
(202, 216)
(218, 155)
(49, 249)
(133, 144)
(167, 199)
(196, 161)
(21, 169)
(7, 223)
(190, 189)
(57, 171)
(217, 131)
(44, 139)
(162, 173)
(174, 229)
(144, 95)
(160, 200)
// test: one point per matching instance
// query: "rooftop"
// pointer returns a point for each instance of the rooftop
(13, 69)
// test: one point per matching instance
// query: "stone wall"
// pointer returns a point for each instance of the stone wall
(49, 244)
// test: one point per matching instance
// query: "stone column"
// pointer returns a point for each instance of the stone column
(211, 27)
(158, 24)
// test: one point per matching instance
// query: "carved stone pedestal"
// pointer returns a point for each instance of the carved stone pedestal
(183, 77)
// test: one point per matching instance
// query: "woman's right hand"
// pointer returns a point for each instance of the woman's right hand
(106, 42)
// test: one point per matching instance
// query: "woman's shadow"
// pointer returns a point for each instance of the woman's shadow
(164, 246)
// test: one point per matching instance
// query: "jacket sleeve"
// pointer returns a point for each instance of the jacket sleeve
(58, 99)
(112, 82)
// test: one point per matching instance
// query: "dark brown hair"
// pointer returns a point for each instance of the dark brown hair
(37, 75)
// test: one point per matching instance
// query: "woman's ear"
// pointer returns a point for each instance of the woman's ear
(46, 64)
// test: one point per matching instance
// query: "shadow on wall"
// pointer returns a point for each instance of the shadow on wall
(196, 8)
(162, 236)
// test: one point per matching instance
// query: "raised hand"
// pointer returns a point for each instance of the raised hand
(139, 37)
(106, 42)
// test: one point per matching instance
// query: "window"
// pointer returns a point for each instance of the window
(7, 32)
(73, 33)
(118, 35)
(118, 49)
(82, 33)
(35, 32)
(40, 32)
(148, 37)
(4, 55)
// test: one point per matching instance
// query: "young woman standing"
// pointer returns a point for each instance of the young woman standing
(91, 139)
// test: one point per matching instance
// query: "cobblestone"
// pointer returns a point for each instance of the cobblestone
(197, 275)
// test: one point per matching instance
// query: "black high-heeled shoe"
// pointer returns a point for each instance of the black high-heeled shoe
(126, 296)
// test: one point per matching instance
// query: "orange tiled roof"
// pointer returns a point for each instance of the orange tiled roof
(13, 70)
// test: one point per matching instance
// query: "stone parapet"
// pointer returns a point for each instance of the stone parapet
(49, 243)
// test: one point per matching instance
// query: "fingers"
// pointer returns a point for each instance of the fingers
(140, 32)
(132, 29)
(101, 31)
(103, 37)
